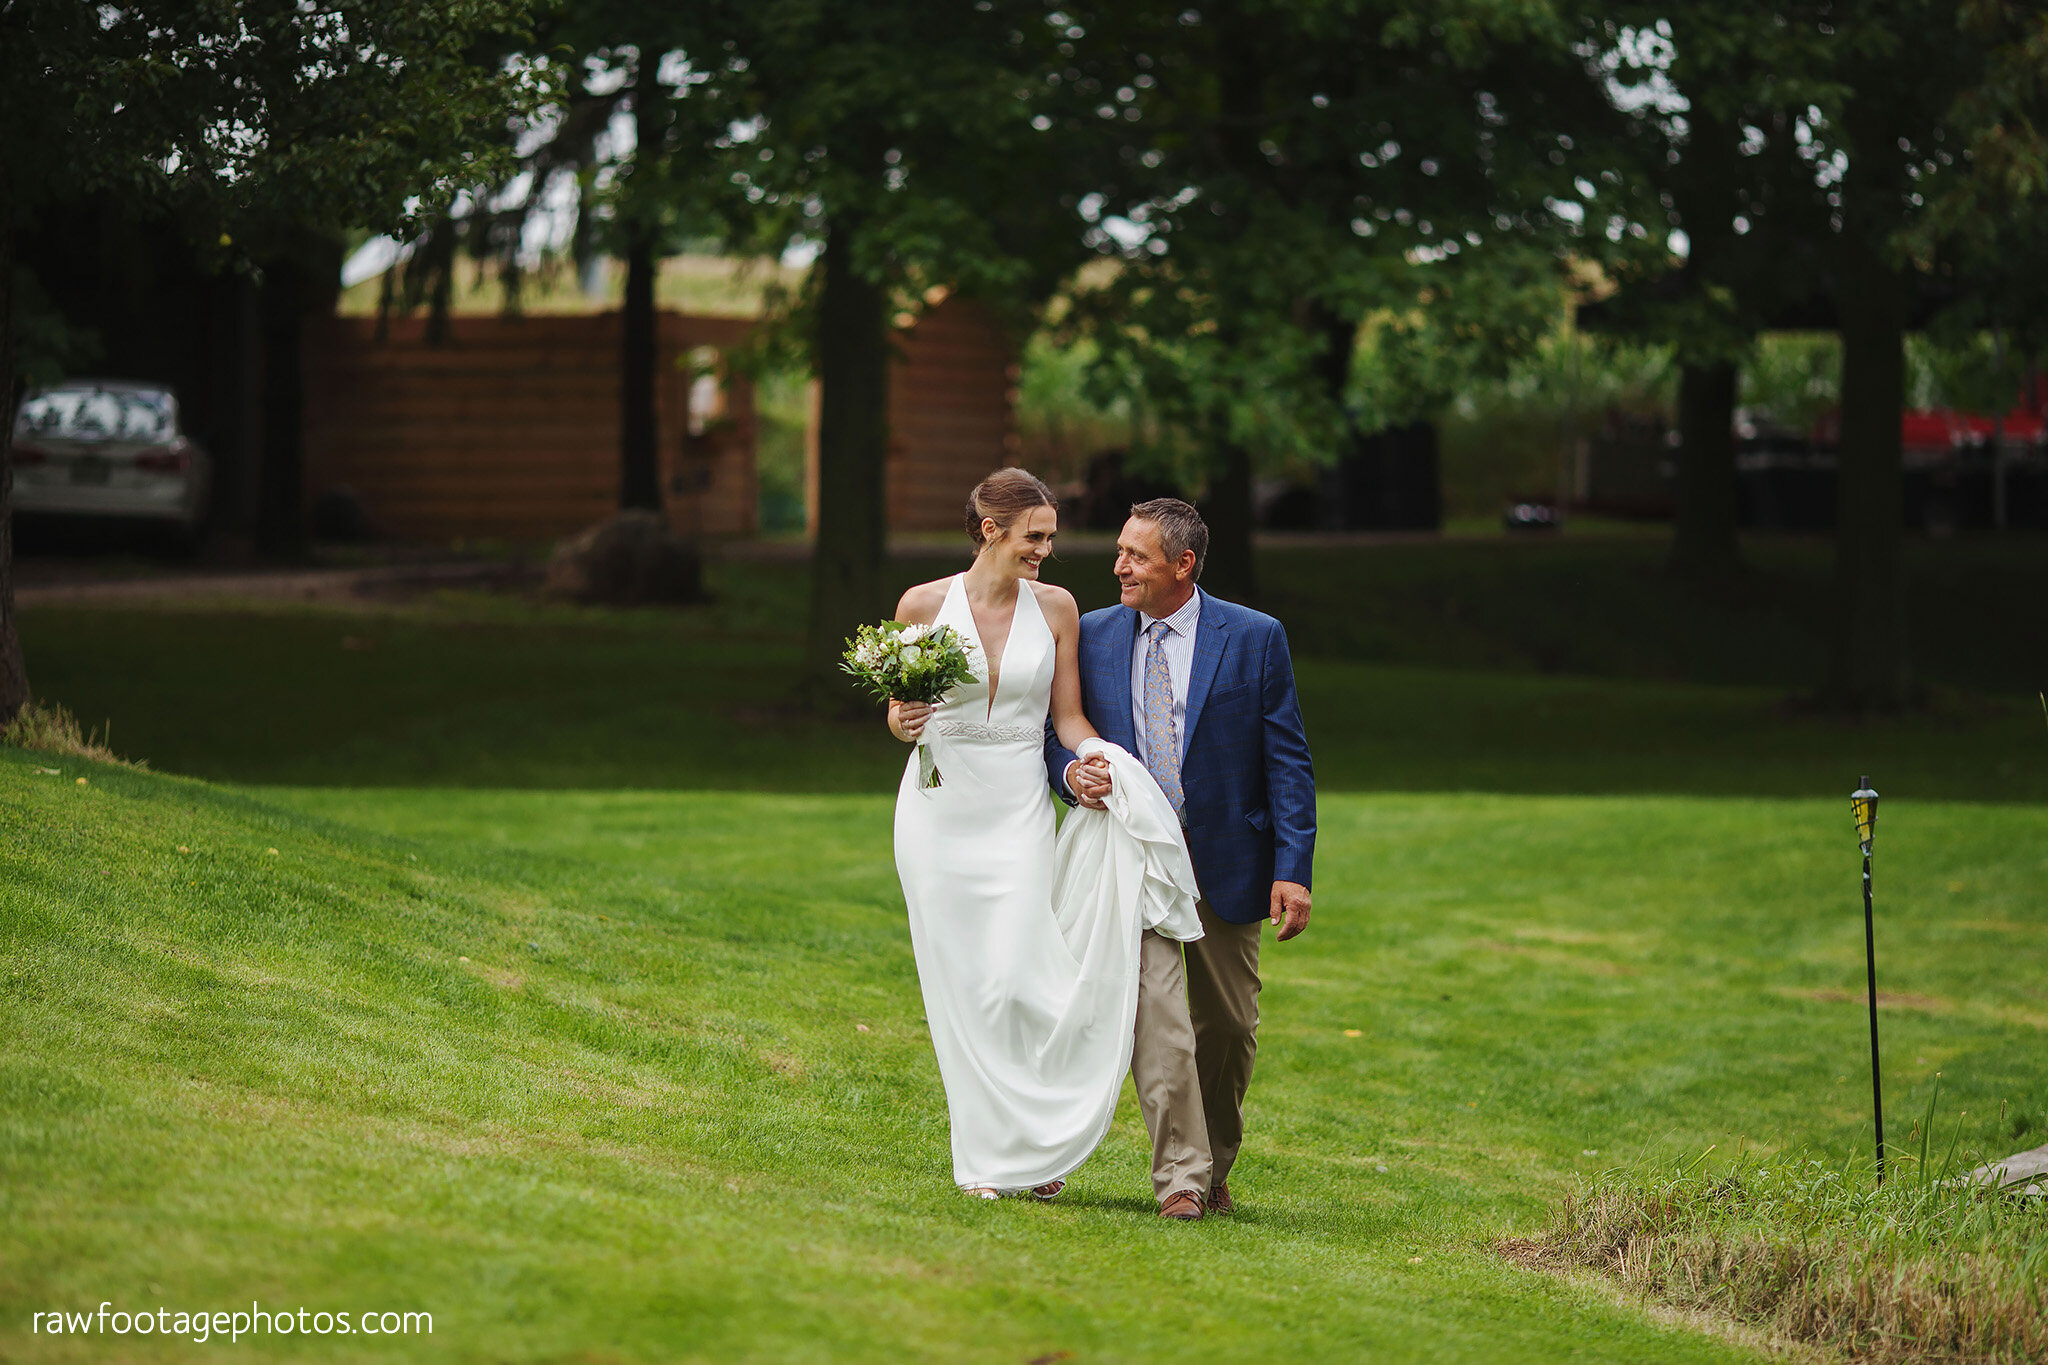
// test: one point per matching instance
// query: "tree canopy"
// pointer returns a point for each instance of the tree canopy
(1300, 221)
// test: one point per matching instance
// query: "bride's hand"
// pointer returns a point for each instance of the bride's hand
(907, 719)
(1089, 779)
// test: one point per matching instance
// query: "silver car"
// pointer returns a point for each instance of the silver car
(109, 448)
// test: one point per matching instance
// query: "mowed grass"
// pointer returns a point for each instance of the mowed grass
(1565, 921)
(644, 1122)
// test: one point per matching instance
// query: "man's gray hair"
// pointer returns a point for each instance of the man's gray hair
(1181, 528)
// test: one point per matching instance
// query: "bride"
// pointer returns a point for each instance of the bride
(1028, 958)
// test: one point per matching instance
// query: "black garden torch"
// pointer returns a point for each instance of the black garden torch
(1863, 802)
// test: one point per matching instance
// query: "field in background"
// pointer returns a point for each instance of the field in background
(1570, 665)
(720, 286)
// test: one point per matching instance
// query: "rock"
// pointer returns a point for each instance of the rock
(2021, 1168)
(633, 558)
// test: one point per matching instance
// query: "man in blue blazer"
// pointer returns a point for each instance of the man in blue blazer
(1202, 691)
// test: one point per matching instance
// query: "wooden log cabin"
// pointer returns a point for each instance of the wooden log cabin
(509, 429)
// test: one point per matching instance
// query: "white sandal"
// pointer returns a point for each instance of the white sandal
(982, 1192)
(1049, 1191)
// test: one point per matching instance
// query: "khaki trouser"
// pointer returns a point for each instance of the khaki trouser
(1223, 997)
(1163, 1068)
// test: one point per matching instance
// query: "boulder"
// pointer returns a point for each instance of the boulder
(629, 560)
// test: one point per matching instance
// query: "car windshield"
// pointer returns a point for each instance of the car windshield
(90, 413)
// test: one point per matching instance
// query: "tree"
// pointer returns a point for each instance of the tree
(614, 64)
(1938, 110)
(895, 139)
(1720, 92)
(1992, 225)
(1294, 170)
(901, 136)
(246, 123)
(1871, 154)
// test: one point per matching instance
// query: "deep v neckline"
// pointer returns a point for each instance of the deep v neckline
(996, 663)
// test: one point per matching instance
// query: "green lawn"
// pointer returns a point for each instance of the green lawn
(642, 1122)
(1575, 919)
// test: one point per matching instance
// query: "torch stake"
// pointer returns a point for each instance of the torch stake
(1870, 963)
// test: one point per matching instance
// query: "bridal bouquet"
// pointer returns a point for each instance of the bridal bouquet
(910, 663)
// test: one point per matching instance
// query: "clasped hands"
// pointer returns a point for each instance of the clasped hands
(1087, 778)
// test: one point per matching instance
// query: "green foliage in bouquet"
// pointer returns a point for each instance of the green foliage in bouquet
(899, 662)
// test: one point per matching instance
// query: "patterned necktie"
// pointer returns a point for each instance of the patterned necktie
(1162, 752)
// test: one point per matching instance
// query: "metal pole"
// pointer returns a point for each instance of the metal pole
(1870, 962)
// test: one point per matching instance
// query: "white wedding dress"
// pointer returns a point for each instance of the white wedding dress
(1028, 955)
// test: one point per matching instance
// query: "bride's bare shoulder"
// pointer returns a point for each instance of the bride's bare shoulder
(920, 605)
(1058, 604)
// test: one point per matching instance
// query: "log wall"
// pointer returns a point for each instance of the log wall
(510, 429)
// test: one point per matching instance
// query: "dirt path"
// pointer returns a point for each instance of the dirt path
(49, 585)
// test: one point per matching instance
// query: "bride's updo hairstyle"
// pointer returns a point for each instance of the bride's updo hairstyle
(1003, 497)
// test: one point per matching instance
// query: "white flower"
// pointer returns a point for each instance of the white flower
(910, 635)
(911, 654)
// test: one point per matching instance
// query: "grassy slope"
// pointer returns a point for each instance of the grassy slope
(653, 1135)
(640, 1124)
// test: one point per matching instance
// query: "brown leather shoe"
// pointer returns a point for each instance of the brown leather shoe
(1219, 1198)
(1182, 1205)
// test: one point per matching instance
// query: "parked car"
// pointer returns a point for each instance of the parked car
(110, 448)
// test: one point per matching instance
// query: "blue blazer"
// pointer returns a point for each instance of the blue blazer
(1245, 769)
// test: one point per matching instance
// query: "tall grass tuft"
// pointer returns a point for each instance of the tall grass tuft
(51, 729)
(1926, 1267)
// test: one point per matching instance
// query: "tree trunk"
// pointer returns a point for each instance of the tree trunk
(639, 457)
(387, 302)
(280, 497)
(1703, 544)
(1870, 667)
(1707, 191)
(1228, 511)
(852, 351)
(238, 478)
(440, 254)
(1333, 366)
(13, 674)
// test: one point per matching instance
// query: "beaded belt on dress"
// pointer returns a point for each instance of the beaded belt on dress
(1013, 734)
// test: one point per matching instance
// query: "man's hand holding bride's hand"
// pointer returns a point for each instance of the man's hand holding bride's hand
(907, 719)
(1289, 909)
(1089, 780)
